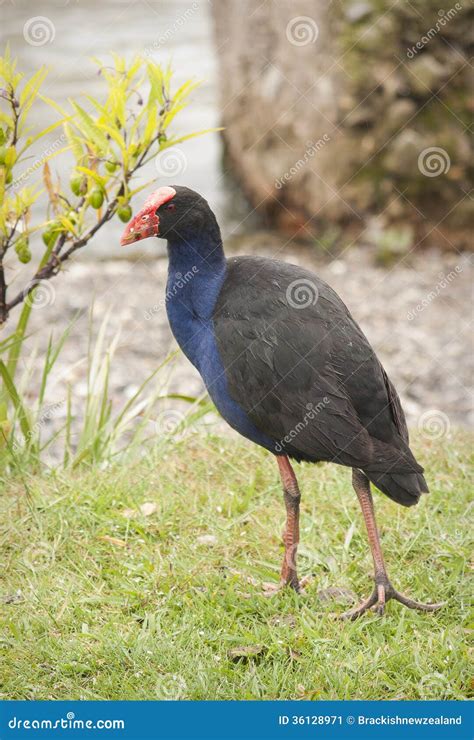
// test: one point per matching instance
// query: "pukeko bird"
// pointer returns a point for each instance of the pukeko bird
(286, 366)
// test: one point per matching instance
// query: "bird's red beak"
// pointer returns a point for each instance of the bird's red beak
(146, 223)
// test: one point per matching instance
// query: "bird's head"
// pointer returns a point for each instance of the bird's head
(174, 213)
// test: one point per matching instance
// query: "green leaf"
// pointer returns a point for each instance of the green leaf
(74, 142)
(101, 181)
(30, 90)
(91, 129)
(32, 139)
(151, 124)
(16, 400)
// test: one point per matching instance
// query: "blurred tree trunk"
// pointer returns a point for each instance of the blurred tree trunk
(332, 113)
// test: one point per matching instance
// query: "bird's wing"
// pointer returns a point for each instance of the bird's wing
(301, 368)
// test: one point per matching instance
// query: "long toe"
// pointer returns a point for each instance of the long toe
(411, 604)
(361, 608)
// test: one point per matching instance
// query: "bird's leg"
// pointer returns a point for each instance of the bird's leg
(291, 534)
(383, 590)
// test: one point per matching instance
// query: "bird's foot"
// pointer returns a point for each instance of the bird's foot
(379, 597)
(288, 573)
(291, 581)
(270, 589)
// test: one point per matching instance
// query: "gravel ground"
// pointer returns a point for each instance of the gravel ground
(416, 315)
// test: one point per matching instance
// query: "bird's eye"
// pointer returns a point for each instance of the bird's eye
(170, 207)
(145, 217)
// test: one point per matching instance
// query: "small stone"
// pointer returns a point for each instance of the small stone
(402, 157)
(207, 539)
(400, 111)
(358, 11)
(426, 74)
(360, 116)
(148, 508)
(245, 653)
(338, 267)
(337, 594)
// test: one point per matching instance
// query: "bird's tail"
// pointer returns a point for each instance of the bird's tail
(404, 488)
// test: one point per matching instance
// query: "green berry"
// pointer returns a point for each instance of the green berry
(124, 213)
(51, 233)
(96, 198)
(111, 166)
(76, 184)
(22, 248)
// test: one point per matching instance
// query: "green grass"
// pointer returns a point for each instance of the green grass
(98, 604)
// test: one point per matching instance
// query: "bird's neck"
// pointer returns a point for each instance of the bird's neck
(196, 272)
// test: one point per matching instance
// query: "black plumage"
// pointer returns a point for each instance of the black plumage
(312, 381)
